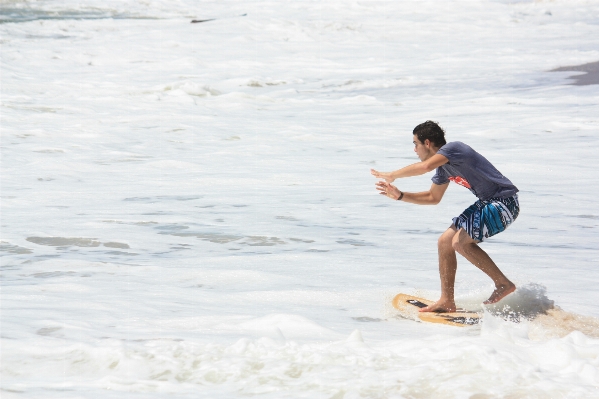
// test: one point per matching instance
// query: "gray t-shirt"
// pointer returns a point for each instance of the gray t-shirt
(468, 168)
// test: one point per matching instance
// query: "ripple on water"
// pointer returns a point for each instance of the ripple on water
(53, 274)
(366, 319)
(172, 227)
(164, 198)
(217, 238)
(290, 218)
(48, 330)
(121, 253)
(116, 245)
(301, 240)
(211, 237)
(64, 241)
(355, 243)
(13, 249)
(262, 241)
(587, 217)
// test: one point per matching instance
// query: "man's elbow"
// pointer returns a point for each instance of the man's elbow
(423, 167)
(434, 200)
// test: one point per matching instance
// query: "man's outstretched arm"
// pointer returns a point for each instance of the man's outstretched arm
(430, 197)
(416, 169)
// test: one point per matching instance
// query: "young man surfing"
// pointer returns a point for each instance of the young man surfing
(497, 206)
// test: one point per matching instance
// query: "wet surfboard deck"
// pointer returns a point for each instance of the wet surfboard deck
(409, 305)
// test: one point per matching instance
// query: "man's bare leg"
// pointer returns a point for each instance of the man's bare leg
(448, 265)
(469, 249)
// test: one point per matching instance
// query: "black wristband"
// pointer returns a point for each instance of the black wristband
(400, 196)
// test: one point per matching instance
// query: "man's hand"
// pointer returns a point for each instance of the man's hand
(388, 190)
(382, 175)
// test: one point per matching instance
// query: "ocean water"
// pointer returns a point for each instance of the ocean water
(187, 209)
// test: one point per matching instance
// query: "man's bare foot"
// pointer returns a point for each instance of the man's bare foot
(500, 292)
(441, 306)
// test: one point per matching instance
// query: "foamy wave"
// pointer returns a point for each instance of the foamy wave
(525, 303)
(272, 365)
(192, 88)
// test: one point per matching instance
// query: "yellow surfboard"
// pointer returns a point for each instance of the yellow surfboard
(409, 305)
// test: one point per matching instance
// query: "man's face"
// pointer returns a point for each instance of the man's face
(423, 150)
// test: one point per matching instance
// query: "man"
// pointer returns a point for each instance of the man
(497, 206)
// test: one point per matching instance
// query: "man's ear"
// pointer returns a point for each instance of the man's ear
(427, 143)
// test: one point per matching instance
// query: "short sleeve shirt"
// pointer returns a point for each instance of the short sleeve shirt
(468, 168)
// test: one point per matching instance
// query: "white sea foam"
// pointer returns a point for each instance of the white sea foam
(187, 209)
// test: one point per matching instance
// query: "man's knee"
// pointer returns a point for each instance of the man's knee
(445, 240)
(455, 244)
(460, 240)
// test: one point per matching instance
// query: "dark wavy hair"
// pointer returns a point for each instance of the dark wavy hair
(432, 131)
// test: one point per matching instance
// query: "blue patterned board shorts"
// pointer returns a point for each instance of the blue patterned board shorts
(484, 219)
